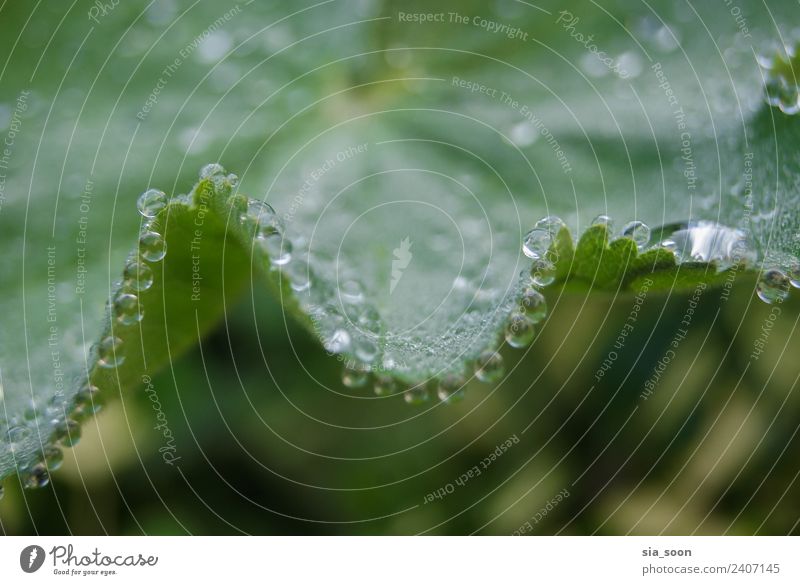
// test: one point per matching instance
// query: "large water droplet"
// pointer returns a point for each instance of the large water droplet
(537, 242)
(706, 241)
(137, 275)
(451, 388)
(127, 309)
(151, 202)
(773, 286)
(638, 231)
(109, 352)
(533, 304)
(211, 171)
(519, 330)
(152, 246)
(489, 367)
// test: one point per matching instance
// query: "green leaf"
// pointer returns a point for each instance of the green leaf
(406, 162)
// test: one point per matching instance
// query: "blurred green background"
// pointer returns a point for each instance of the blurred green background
(712, 451)
(269, 440)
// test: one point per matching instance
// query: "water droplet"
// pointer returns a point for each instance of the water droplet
(137, 275)
(53, 457)
(519, 330)
(232, 179)
(384, 385)
(260, 219)
(36, 477)
(451, 388)
(365, 349)
(152, 246)
(605, 220)
(211, 171)
(86, 403)
(638, 231)
(277, 247)
(151, 202)
(489, 367)
(523, 134)
(706, 241)
(127, 309)
(369, 319)
(543, 273)
(351, 291)
(298, 271)
(68, 433)
(537, 242)
(109, 352)
(773, 286)
(533, 304)
(338, 342)
(794, 273)
(355, 375)
(416, 394)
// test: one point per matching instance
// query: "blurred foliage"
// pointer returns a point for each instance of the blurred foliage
(268, 440)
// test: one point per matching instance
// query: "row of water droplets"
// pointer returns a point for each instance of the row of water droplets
(125, 311)
(696, 241)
